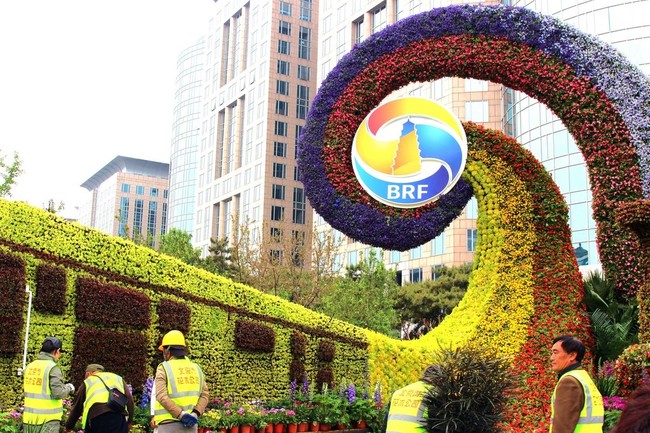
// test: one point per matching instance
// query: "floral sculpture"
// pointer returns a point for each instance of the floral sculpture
(525, 288)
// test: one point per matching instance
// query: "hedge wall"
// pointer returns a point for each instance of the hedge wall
(110, 301)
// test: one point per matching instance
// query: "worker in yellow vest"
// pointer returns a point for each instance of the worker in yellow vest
(576, 404)
(91, 403)
(180, 388)
(45, 390)
(406, 410)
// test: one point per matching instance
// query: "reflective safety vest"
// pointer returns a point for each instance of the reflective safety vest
(407, 409)
(40, 407)
(593, 411)
(184, 386)
(96, 392)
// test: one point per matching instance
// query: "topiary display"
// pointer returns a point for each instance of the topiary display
(326, 351)
(51, 285)
(298, 344)
(469, 391)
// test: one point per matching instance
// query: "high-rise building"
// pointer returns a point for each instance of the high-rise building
(128, 198)
(259, 77)
(626, 26)
(185, 137)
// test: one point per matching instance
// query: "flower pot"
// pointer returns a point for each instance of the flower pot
(269, 428)
(361, 423)
(341, 426)
(234, 429)
(325, 427)
(292, 427)
(303, 427)
(245, 429)
(278, 428)
(314, 426)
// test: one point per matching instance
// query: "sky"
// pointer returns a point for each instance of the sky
(83, 81)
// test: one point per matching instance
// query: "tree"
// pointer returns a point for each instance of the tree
(365, 297)
(219, 260)
(177, 243)
(277, 263)
(9, 172)
(421, 306)
(52, 207)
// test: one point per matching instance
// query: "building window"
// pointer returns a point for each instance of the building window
(284, 47)
(359, 31)
(277, 213)
(285, 8)
(279, 170)
(276, 234)
(477, 111)
(471, 210)
(304, 43)
(435, 272)
(472, 239)
(124, 215)
(165, 193)
(415, 253)
(138, 213)
(353, 258)
(415, 275)
(379, 19)
(284, 28)
(163, 227)
(151, 222)
(302, 101)
(473, 85)
(395, 256)
(283, 67)
(280, 149)
(304, 72)
(277, 192)
(305, 10)
(296, 174)
(281, 128)
(126, 188)
(139, 190)
(299, 206)
(438, 245)
(282, 108)
(154, 192)
(282, 87)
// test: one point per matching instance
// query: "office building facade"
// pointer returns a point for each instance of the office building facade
(259, 78)
(128, 198)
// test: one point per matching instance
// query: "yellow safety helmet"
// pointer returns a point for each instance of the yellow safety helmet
(172, 338)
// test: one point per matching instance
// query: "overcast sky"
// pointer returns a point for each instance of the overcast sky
(82, 81)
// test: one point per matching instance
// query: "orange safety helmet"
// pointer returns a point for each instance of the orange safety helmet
(172, 338)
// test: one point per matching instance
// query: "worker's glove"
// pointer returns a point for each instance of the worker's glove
(188, 419)
(70, 387)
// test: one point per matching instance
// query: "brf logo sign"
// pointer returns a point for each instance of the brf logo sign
(409, 151)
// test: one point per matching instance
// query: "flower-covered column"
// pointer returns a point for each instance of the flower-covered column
(636, 215)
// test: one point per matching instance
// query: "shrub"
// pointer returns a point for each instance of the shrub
(632, 367)
(469, 391)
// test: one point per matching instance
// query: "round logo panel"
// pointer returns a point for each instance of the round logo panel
(409, 151)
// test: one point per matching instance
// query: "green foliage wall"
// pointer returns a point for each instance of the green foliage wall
(110, 301)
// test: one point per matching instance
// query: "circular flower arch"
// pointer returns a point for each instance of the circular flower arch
(602, 98)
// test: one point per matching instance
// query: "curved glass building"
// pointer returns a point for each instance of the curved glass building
(185, 137)
(624, 25)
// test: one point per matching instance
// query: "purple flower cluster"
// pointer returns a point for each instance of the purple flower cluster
(587, 56)
(351, 393)
(146, 393)
(614, 403)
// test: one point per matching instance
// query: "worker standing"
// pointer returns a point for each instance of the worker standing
(181, 391)
(45, 390)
